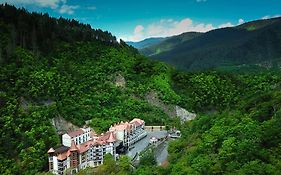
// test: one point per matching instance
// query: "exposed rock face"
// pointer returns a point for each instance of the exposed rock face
(154, 100)
(170, 110)
(62, 126)
(24, 103)
(184, 114)
(120, 81)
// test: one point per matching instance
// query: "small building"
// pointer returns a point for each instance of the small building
(153, 140)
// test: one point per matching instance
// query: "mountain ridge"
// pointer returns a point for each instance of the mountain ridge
(86, 75)
(243, 44)
(146, 42)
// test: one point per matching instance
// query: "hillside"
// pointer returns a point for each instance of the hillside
(82, 74)
(145, 43)
(169, 43)
(61, 68)
(257, 42)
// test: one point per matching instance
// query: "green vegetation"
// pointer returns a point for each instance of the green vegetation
(237, 130)
(71, 76)
(111, 167)
(236, 142)
(239, 136)
(168, 43)
(145, 43)
(253, 43)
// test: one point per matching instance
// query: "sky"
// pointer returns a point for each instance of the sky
(135, 20)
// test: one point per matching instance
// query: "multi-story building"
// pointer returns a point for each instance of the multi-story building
(83, 148)
(78, 137)
(137, 132)
(129, 132)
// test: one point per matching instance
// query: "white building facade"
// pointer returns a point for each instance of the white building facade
(83, 148)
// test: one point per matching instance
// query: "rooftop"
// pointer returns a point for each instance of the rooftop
(137, 122)
(61, 149)
(107, 137)
(75, 133)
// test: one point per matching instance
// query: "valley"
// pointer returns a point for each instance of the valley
(220, 88)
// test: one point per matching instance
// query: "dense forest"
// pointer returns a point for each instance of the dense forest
(252, 43)
(46, 74)
(70, 77)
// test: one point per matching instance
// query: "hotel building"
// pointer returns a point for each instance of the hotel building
(83, 148)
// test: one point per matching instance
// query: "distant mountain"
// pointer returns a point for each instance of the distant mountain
(145, 43)
(253, 43)
(258, 24)
(169, 43)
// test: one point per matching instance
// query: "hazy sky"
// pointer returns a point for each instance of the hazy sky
(139, 19)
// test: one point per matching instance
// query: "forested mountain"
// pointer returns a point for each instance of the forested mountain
(169, 43)
(257, 42)
(61, 68)
(145, 43)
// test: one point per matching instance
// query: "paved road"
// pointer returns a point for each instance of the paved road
(142, 144)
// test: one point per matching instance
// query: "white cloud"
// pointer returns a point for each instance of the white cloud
(167, 27)
(228, 24)
(138, 34)
(266, 17)
(41, 3)
(67, 9)
(241, 21)
(138, 29)
(276, 16)
(58, 5)
(170, 27)
(273, 16)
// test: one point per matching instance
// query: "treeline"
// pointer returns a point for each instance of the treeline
(245, 140)
(237, 127)
(209, 91)
(253, 43)
(41, 33)
(73, 76)
(68, 71)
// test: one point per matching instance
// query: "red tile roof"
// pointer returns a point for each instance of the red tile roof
(63, 152)
(64, 155)
(75, 133)
(61, 149)
(84, 147)
(73, 146)
(107, 137)
(137, 122)
(111, 138)
(121, 127)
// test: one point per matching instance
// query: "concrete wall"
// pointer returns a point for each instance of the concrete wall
(154, 128)
(66, 140)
